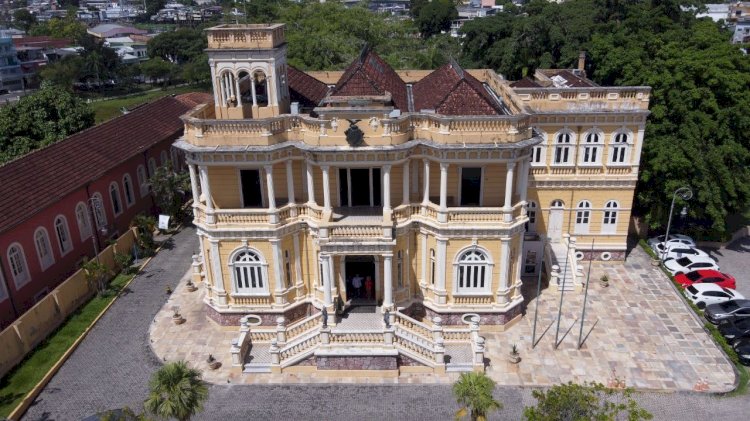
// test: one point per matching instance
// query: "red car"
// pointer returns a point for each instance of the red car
(705, 277)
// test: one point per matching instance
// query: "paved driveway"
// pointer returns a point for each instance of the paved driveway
(735, 260)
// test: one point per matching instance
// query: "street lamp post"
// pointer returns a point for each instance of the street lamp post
(685, 194)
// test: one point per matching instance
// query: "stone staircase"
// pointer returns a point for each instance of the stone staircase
(566, 272)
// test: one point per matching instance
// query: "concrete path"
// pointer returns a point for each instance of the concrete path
(112, 366)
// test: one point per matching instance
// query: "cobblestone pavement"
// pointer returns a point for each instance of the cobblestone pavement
(638, 327)
(112, 366)
(735, 260)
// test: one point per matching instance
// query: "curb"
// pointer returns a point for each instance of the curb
(21, 409)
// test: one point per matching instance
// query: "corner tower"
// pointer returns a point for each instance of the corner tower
(248, 70)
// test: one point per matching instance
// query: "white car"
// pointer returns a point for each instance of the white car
(677, 252)
(690, 263)
(704, 294)
(675, 240)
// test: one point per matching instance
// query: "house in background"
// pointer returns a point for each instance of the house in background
(65, 200)
(111, 30)
(11, 76)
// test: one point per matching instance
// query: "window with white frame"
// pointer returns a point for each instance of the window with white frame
(432, 266)
(563, 148)
(43, 248)
(18, 267)
(609, 223)
(399, 269)
(114, 195)
(249, 272)
(287, 269)
(591, 148)
(151, 167)
(531, 213)
(619, 148)
(127, 187)
(539, 152)
(142, 180)
(100, 216)
(164, 158)
(473, 272)
(63, 234)
(82, 217)
(583, 216)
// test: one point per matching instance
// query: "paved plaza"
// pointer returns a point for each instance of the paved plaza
(111, 368)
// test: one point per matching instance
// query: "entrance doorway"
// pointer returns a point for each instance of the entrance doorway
(358, 270)
(554, 232)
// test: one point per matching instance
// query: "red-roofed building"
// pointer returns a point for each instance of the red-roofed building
(369, 75)
(450, 90)
(47, 225)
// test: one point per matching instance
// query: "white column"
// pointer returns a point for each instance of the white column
(443, 215)
(194, 184)
(426, 192)
(310, 185)
(278, 270)
(224, 97)
(216, 267)
(326, 190)
(237, 87)
(206, 188)
(442, 246)
(290, 181)
(424, 259)
(252, 88)
(386, 188)
(406, 192)
(508, 207)
(273, 218)
(503, 287)
(519, 260)
(524, 184)
(387, 281)
(297, 261)
(327, 299)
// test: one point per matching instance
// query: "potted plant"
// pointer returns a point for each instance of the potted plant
(191, 286)
(514, 357)
(176, 316)
(604, 281)
(212, 363)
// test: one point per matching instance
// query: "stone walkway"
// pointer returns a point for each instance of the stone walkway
(638, 327)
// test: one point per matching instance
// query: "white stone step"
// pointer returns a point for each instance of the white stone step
(257, 368)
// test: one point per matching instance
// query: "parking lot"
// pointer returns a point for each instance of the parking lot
(735, 260)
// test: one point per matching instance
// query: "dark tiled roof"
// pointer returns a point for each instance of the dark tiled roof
(305, 88)
(370, 75)
(526, 82)
(43, 177)
(450, 90)
(572, 80)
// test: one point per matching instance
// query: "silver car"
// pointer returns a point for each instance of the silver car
(730, 310)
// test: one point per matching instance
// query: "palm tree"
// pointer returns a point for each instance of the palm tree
(473, 392)
(177, 391)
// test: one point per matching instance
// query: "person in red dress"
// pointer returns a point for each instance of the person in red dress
(369, 287)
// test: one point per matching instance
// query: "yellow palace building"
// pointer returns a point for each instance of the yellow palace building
(407, 204)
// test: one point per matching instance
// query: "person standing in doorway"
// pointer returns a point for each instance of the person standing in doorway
(369, 288)
(357, 284)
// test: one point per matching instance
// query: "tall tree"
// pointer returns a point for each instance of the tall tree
(435, 17)
(473, 391)
(23, 19)
(176, 391)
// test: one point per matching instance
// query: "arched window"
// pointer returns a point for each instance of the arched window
(583, 215)
(591, 152)
(432, 266)
(473, 272)
(619, 148)
(100, 216)
(127, 186)
(563, 148)
(17, 263)
(531, 213)
(228, 89)
(142, 180)
(82, 217)
(261, 88)
(249, 272)
(287, 269)
(539, 152)
(151, 167)
(557, 203)
(114, 195)
(399, 269)
(63, 234)
(164, 157)
(43, 248)
(609, 224)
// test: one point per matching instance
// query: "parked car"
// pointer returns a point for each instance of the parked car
(679, 240)
(742, 348)
(735, 329)
(729, 310)
(707, 277)
(690, 263)
(677, 252)
(703, 294)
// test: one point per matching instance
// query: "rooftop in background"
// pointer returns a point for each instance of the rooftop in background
(42, 42)
(108, 30)
(555, 78)
(40, 178)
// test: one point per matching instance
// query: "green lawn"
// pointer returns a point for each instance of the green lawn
(15, 385)
(110, 108)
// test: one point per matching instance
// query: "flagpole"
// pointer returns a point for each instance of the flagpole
(586, 295)
(536, 309)
(562, 291)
